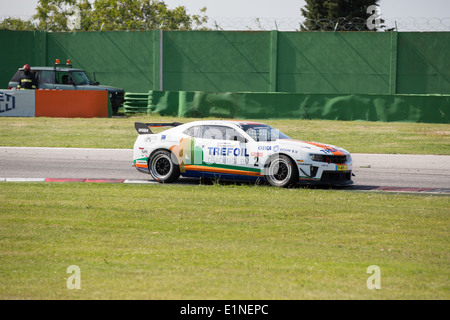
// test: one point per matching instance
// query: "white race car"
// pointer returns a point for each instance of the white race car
(237, 150)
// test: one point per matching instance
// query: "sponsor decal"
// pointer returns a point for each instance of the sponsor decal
(7, 102)
(256, 154)
(300, 163)
(227, 152)
(288, 150)
(328, 150)
(150, 138)
(224, 144)
(141, 163)
(311, 179)
(144, 152)
(227, 160)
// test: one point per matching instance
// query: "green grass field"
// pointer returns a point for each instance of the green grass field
(219, 242)
(355, 136)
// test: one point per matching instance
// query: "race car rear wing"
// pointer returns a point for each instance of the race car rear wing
(144, 128)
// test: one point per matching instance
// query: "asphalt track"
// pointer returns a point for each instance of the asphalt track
(379, 172)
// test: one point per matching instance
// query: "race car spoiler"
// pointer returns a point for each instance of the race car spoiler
(144, 128)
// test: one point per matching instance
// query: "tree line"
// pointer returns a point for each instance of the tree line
(108, 15)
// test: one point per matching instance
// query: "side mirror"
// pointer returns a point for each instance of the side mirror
(96, 83)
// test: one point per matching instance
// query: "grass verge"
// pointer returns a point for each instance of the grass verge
(219, 242)
(355, 136)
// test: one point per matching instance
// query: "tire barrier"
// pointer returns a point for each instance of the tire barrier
(136, 102)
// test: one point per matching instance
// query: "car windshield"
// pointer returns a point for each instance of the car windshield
(80, 78)
(262, 132)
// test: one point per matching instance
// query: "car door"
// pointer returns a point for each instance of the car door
(46, 79)
(64, 81)
(225, 152)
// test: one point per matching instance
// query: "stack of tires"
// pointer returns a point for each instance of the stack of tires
(135, 102)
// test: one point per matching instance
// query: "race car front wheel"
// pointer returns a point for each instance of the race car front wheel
(281, 172)
(162, 168)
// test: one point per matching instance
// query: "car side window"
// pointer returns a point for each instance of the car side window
(193, 131)
(213, 132)
(233, 135)
(46, 76)
(63, 77)
(221, 133)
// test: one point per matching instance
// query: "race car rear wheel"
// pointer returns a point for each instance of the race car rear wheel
(162, 168)
(281, 172)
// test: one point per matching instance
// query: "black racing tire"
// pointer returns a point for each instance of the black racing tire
(281, 171)
(162, 168)
(115, 107)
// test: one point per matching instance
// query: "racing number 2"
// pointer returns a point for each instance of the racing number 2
(256, 162)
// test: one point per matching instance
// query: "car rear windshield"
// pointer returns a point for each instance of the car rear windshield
(262, 132)
(17, 76)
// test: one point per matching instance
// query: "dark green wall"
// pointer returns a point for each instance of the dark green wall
(17, 49)
(423, 62)
(123, 59)
(216, 61)
(336, 62)
(231, 61)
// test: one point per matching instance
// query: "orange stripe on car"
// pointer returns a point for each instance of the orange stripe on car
(222, 170)
(320, 145)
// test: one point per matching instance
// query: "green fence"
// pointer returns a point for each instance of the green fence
(248, 105)
(423, 65)
(368, 73)
(234, 61)
(18, 48)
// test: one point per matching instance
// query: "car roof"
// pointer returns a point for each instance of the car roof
(237, 123)
(232, 123)
(222, 122)
(52, 68)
